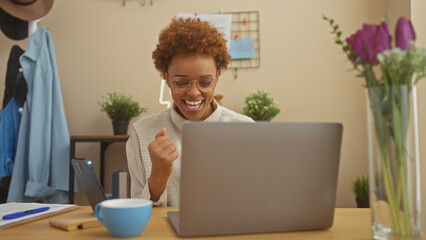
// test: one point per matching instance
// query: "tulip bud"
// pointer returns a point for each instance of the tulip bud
(404, 33)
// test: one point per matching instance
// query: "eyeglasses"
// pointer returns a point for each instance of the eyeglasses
(182, 84)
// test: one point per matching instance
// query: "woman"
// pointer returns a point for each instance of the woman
(190, 55)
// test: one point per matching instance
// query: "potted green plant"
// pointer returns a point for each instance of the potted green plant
(260, 105)
(360, 190)
(120, 109)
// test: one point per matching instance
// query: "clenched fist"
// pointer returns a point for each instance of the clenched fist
(163, 153)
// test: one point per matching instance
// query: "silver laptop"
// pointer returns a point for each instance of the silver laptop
(262, 177)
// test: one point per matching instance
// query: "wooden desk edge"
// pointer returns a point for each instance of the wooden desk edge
(350, 223)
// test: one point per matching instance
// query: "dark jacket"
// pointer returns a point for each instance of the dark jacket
(16, 86)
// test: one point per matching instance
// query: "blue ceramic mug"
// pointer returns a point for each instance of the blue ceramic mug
(126, 217)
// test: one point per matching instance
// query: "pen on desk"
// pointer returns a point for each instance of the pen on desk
(24, 213)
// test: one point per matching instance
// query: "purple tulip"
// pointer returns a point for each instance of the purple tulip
(404, 33)
(370, 41)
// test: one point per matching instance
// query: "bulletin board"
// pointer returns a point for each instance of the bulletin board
(246, 25)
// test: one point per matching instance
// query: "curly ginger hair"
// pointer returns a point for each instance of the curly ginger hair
(186, 36)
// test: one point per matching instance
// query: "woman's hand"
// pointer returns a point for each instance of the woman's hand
(163, 153)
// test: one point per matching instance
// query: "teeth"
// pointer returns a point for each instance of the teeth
(192, 107)
(193, 103)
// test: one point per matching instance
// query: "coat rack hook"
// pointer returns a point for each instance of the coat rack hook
(235, 73)
(124, 2)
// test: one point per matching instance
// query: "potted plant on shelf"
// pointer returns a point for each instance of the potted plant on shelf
(260, 105)
(360, 190)
(120, 109)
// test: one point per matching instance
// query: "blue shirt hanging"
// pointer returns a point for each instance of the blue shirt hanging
(42, 155)
(9, 128)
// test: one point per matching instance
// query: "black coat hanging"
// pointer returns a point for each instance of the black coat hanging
(16, 86)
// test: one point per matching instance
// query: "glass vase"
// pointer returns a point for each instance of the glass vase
(393, 156)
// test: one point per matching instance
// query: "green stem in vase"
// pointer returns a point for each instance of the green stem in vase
(405, 202)
(390, 193)
(391, 125)
(388, 127)
(400, 108)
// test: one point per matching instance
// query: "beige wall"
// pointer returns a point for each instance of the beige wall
(102, 46)
(395, 9)
(419, 20)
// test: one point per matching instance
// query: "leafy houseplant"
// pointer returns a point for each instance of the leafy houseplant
(260, 105)
(120, 109)
(359, 188)
(392, 122)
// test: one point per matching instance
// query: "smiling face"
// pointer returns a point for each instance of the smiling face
(192, 104)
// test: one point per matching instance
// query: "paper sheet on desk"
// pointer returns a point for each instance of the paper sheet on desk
(8, 208)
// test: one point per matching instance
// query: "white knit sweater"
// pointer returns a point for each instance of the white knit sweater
(143, 133)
